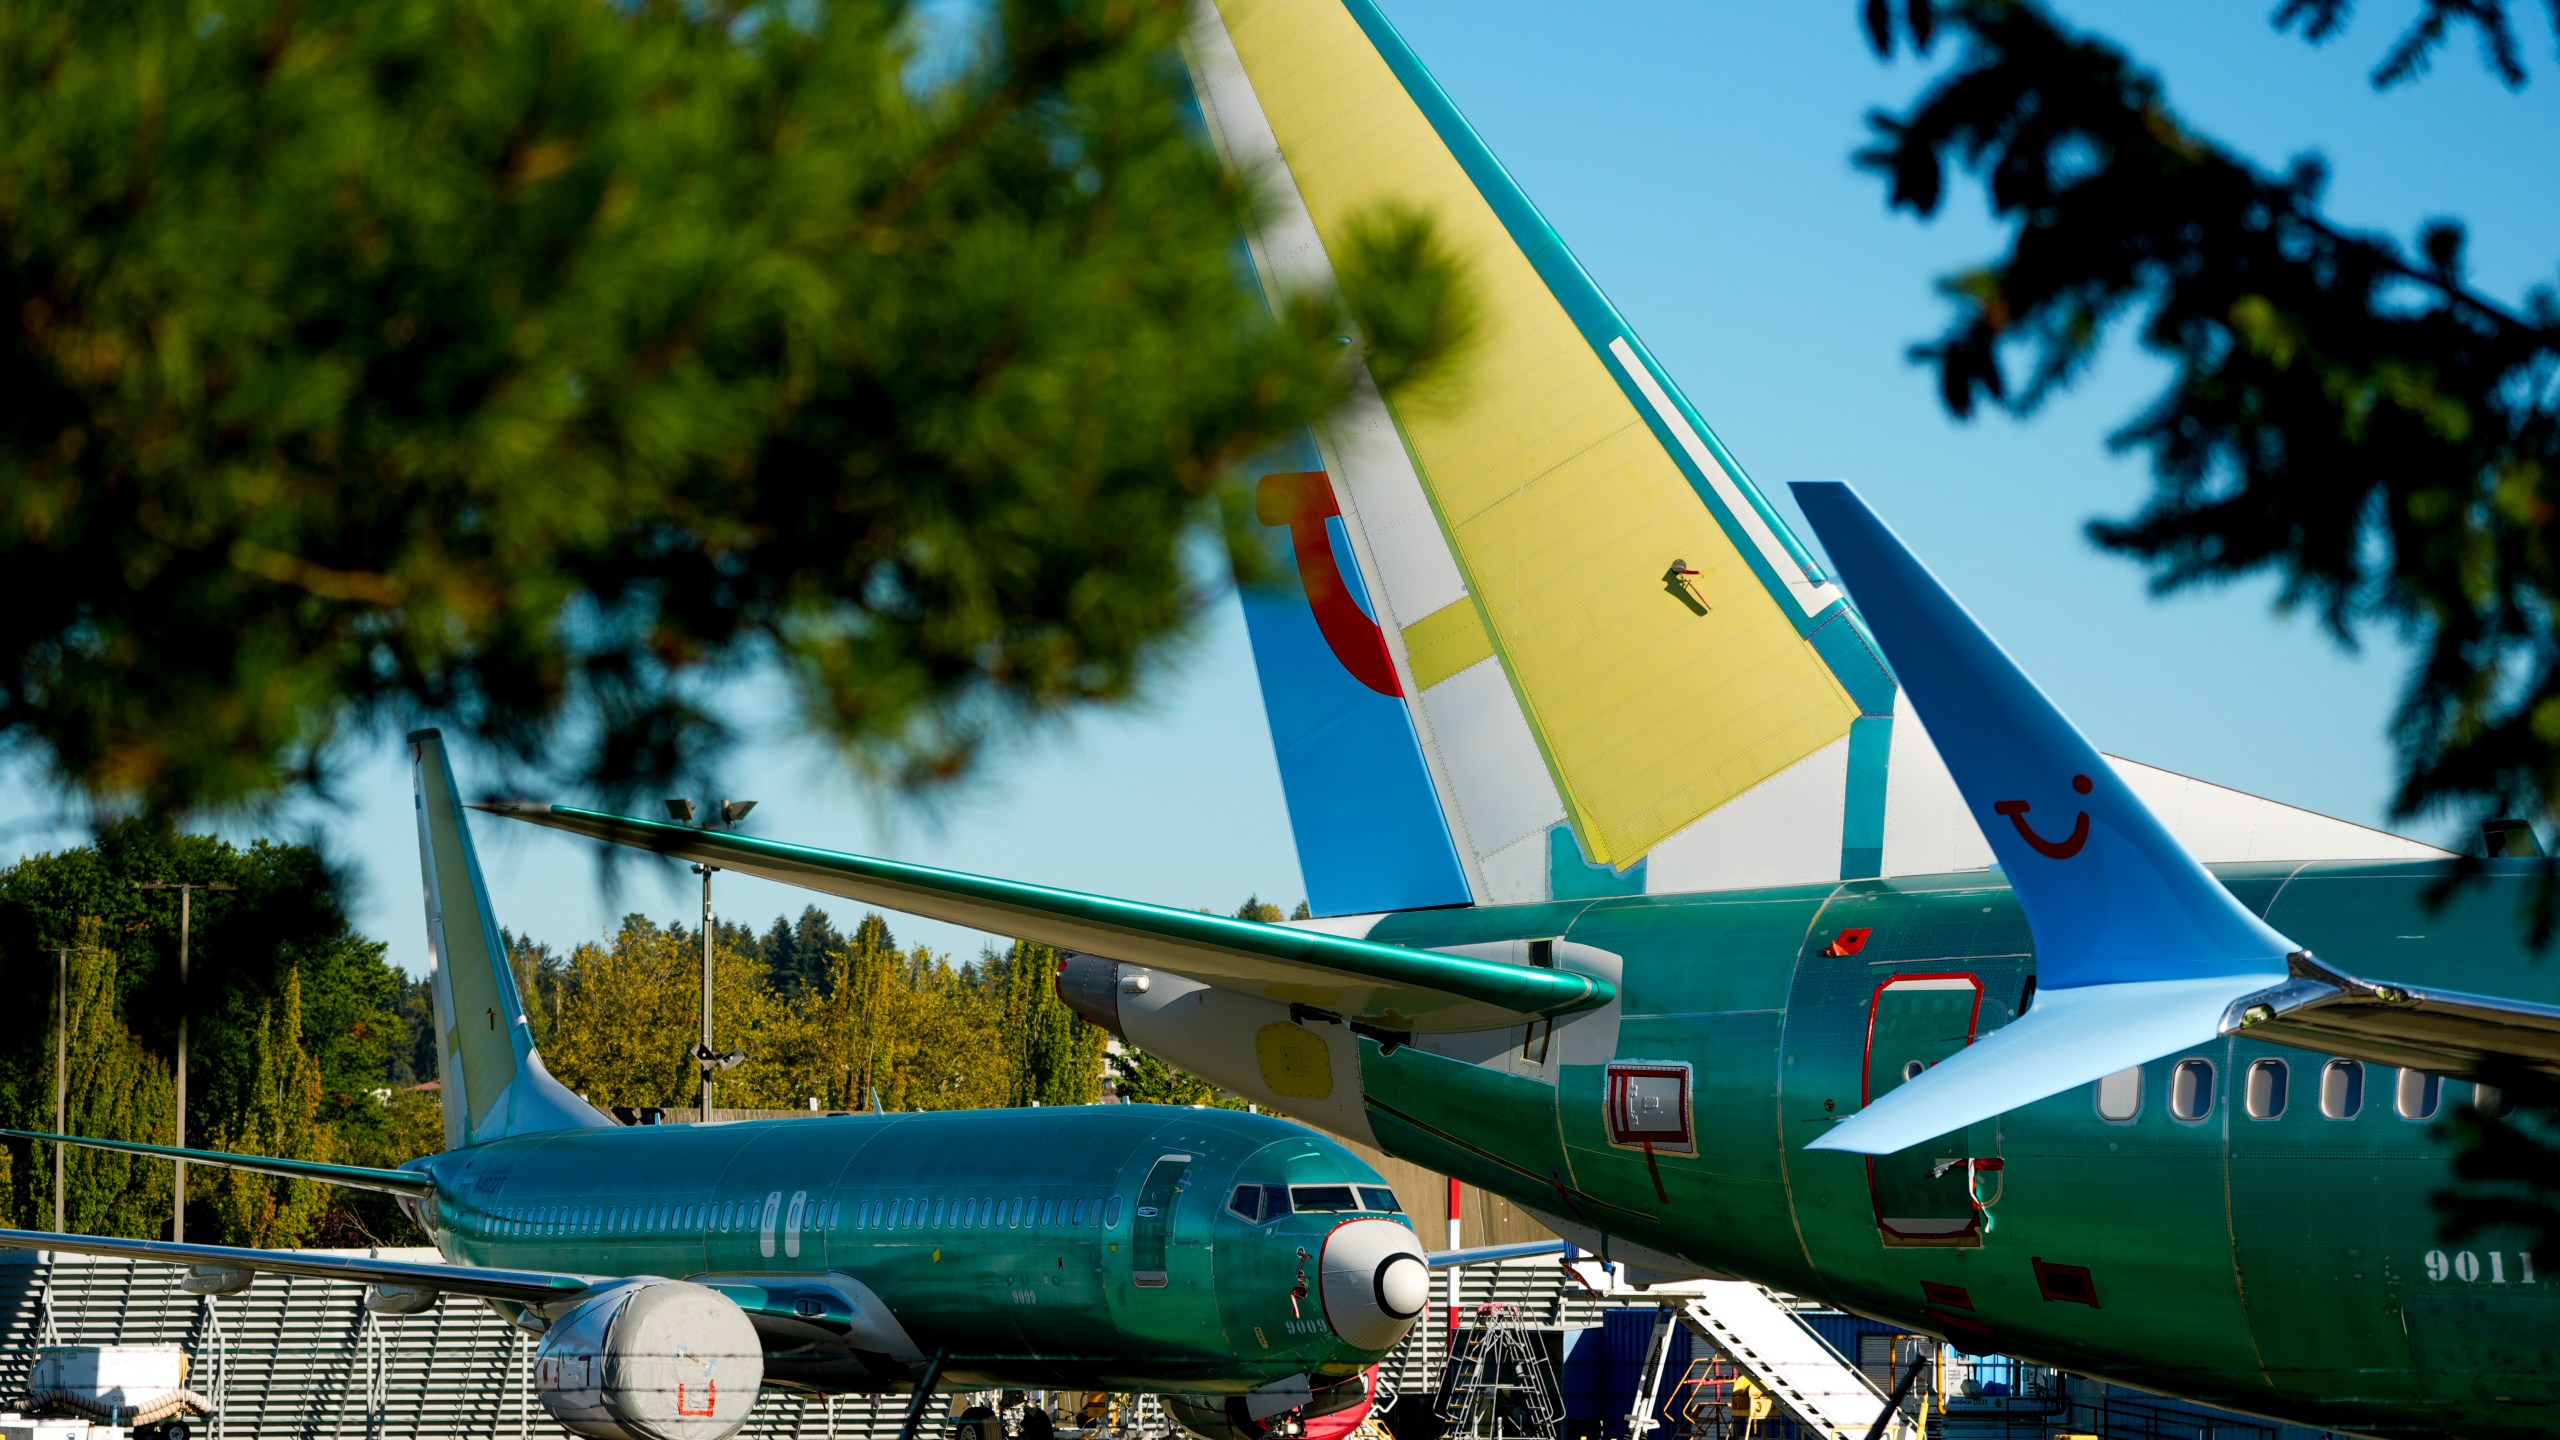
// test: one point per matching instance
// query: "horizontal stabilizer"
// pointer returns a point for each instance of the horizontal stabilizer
(2140, 951)
(525, 1287)
(1388, 986)
(361, 1177)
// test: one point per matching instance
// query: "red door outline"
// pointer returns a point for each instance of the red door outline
(1928, 979)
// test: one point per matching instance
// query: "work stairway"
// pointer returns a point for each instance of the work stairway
(1822, 1389)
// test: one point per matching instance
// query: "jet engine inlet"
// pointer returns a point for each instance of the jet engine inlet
(1376, 1282)
(658, 1360)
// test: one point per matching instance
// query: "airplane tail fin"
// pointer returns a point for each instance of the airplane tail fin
(2140, 951)
(1538, 637)
(1539, 633)
(493, 1080)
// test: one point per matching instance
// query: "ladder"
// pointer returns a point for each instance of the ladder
(1500, 1387)
(1830, 1395)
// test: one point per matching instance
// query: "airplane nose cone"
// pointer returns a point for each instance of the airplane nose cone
(1375, 1282)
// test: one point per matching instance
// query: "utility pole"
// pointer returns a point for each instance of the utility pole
(62, 1066)
(186, 926)
(728, 812)
(703, 1051)
(61, 1074)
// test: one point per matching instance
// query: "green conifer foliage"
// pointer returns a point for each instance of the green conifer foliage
(116, 1088)
(529, 364)
(283, 1117)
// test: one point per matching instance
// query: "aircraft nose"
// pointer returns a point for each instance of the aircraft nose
(1375, 1282)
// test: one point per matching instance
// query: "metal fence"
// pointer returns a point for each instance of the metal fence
(294, 1358)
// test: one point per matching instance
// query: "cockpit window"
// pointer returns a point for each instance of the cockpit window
(1247, 1202)
(1379, 1197)
(1323, 1197)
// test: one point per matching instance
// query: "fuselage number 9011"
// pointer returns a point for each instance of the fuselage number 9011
(2479, 1267)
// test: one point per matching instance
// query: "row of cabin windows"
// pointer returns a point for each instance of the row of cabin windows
(2267, 1086)
(985, 1213)
(745, 1216)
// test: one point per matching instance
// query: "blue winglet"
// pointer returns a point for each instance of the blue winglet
(2139, 950)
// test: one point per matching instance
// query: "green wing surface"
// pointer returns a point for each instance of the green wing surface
(1390, 986)
(361, 1177)
(527, 1287)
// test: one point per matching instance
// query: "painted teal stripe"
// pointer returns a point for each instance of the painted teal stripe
(1862, 816)
(1841, 639)
(1590, 310)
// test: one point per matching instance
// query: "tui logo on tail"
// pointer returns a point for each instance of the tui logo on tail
(2062, 849)
(1303, 501)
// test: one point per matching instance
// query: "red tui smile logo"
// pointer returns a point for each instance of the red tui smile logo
(1303, 500)
(2062, 849)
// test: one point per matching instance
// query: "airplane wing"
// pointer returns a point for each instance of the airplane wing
(1389, 986)
(2383, 1023)
(525, 1287)
(2140, 952)
(361, 1177)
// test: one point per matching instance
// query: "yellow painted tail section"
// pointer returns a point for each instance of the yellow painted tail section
(1568, 482)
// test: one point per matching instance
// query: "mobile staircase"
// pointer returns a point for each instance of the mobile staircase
(1830, 1396)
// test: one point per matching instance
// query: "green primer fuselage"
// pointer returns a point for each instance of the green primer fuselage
(2291, 1266)
(1023, 1242)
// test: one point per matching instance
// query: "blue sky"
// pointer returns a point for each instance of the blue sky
(1696, 156)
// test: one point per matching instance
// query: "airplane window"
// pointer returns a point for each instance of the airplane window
(1013, 1213)
(2120, 1095)
(940, 1209)
(1912, 1070)
(1111, 1214)
(2268, 1082)
(2191, 1089)
(1080, 1208)
(1048, 1212)
(2419, 1095)
(1246, 1202)
(1323, 1197)
(2343, 1090)
(1379, 1197)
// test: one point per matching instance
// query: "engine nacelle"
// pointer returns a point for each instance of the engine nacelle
(656, 1360)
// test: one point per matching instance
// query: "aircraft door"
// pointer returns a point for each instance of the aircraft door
(1923, 1195)
(1151, 1231)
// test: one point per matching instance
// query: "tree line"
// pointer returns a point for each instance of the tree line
(305, 1041)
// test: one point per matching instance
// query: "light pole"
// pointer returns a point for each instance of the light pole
(186, 925)
(729, 812)
(62, 1066)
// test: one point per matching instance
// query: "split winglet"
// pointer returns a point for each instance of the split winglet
(2140, 951)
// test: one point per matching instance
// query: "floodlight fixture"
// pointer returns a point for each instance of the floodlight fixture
(680, 811)
(733, 811)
